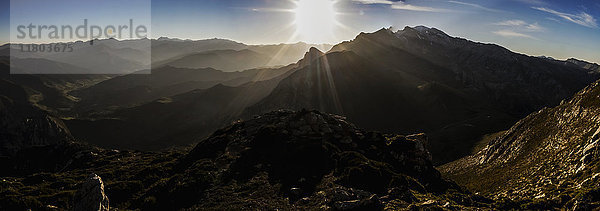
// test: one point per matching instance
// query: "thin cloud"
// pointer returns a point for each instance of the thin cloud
(513, 34)
(269, 10)
(553, 19)
(582, 18)
(534, 27)
(403, 6)
(374, 1)
(532, 2)
(400, 5)
(476, 6)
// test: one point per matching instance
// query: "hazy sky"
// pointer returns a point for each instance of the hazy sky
(560, 29)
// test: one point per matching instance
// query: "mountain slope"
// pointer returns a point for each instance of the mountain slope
(23, 125)
(453, 89)
(47, 91)
(585, 65)
(136, 89)
(343, 82)
(43, 66)
(176, 120)
(521, 83)
(185, 117)
(279, 160)
(551, 155)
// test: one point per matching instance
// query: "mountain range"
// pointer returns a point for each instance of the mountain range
(222, 125)
(455, 90)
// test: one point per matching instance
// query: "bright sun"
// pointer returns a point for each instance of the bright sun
(315, 20)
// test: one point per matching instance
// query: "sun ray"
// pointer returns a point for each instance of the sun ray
(331, 83)
(291, 39)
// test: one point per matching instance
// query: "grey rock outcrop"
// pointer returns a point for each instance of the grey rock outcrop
(551, 155)
(91, 195)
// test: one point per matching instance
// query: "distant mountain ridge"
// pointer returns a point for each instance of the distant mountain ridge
(226, 60)
(112, 56)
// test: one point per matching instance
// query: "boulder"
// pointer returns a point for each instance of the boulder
(91, 196)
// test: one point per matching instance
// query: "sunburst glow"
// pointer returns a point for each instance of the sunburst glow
(315, 20)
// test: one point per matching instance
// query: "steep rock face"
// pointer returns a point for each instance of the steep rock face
(551, 155)
(304, 159)
(91, 195)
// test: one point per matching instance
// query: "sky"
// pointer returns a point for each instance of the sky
(560, 29)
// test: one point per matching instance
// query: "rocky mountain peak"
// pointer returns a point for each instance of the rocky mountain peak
(312, 54)
(426, 34)
(428, 30)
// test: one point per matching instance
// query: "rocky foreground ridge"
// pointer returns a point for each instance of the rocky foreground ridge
(548, 160)
(279, 160)
(310, 159)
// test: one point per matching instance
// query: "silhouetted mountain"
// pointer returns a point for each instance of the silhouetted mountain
(455, 90)
(551, 155)
(481, 67)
